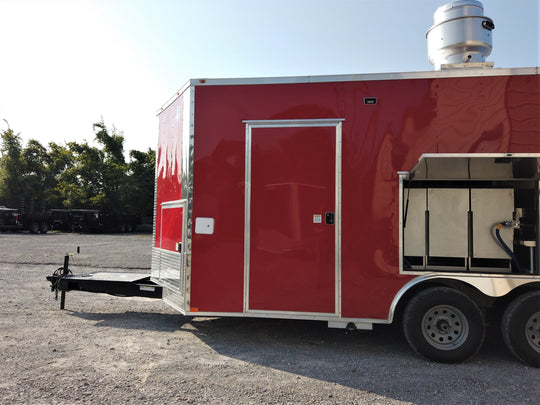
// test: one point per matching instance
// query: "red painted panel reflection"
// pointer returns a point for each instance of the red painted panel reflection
(169, 157)
(171, 228)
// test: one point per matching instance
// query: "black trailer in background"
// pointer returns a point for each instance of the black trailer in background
(34, 221)
(66, 220)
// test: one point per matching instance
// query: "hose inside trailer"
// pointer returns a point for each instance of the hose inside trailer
(406, 206)
(505, 246)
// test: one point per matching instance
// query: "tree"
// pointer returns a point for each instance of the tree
(29, 176)
(113, 144)
(35, 173)
(61, 158)
(81, 184)
(114, 169)
(141, 182)
(78, 175)
(11, 187)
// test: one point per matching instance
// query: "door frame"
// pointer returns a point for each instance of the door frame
(292, 123)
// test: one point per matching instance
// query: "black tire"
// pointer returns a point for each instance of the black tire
(444, 325)
(44, 227)
(521, 328)
(34, 227)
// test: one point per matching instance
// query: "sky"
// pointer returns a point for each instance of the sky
(66, 64)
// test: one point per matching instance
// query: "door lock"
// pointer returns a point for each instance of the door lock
(329, 218)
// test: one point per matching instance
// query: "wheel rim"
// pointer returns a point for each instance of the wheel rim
(532, 330)
(445, 327)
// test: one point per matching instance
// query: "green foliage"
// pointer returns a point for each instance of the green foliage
(11, 187)
(35, 171)
(141, 182)
(61, 158)
(78, 175)
(81, 184)
(113, 144)
(113, 169)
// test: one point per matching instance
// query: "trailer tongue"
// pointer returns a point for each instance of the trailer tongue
(119, 284)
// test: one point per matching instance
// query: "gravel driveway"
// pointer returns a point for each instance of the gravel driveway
(105, 349)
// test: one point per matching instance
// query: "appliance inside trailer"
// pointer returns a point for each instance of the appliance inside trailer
(474, 213)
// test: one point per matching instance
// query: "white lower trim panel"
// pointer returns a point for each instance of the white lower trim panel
(333, 321)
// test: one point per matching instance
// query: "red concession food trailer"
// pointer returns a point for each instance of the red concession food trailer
(357, 200)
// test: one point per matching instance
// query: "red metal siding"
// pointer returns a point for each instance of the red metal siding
(445, 115)
(169, 164)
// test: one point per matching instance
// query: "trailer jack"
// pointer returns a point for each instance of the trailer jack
(117, 284)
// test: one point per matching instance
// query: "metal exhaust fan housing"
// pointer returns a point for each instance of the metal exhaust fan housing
(461, 36)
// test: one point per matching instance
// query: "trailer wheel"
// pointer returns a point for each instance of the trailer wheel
(34, 227)
(521, 328)
(444, 325)
(44, 227)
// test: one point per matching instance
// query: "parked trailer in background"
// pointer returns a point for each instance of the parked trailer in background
(8, 218)
(89, 220)
(12, 219)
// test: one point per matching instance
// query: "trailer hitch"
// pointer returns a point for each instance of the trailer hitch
(55, 279)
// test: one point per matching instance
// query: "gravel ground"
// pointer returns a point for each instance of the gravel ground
(105, 349)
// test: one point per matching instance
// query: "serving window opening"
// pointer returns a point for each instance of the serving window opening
(471, 213)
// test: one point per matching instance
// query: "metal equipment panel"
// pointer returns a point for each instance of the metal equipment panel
(491, 207)
(448, 222)
(415, 227)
